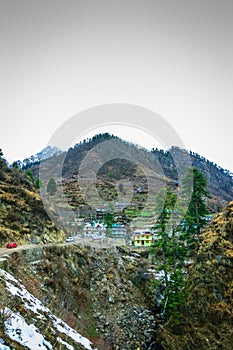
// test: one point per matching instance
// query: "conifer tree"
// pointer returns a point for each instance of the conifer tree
(170, 252)
(29, 174)
(3, 165)
(194, 219)
(51, 187)
(38, 183)
(1, 159)
(15, 165)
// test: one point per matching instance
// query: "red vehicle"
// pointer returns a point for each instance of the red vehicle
(11, 245)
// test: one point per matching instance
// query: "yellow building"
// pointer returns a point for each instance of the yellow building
(143, 238)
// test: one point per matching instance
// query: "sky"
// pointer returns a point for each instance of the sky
(173, 57)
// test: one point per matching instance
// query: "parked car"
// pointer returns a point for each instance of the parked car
(11, 245)
(70, 239)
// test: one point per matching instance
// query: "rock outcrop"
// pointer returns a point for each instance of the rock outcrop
(102, 293)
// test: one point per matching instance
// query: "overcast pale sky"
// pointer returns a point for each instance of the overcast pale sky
(174, 57)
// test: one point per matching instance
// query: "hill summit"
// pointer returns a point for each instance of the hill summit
(220, 181)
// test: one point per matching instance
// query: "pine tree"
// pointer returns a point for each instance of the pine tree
(170, 253)
(29, 174)
(194, 219)
(38, 183)
(3, 166)
(176, 240)
(108, 220)
(2, 161)
(15, 165)
(51, 187)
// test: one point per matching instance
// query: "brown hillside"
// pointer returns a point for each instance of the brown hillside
(22, 216)
(220, 181)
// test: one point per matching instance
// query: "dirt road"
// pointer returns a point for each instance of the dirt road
(96, 243)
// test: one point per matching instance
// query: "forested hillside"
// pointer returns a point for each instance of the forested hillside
(220, 181)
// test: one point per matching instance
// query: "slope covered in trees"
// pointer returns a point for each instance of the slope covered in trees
(206, 321)
(219, 181)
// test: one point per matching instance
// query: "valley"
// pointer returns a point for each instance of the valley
(116, 261)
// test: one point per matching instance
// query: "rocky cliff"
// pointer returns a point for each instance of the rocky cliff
(102, 293)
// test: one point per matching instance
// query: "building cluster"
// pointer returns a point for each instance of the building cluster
(97, 229)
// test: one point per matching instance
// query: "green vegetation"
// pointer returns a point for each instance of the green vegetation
(194, 219)
(29, 174)
(1, 155)
(175, 243)
(111, 176)
(91, 324)
(2, 160)
(132, 213)
(170, 251)
(109, 220)
(38, 183)
(15, 165)
(51, 187)
(207, 313)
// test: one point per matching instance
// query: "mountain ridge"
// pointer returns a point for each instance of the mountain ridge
(45, 153)
(220, 181)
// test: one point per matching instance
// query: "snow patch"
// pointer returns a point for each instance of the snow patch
(62, 327)
(28, 335)
(32, 303)
(7, 276)
(4, 347)
(46, 153)
(69, 347)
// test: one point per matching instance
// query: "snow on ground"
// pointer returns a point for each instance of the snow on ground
(62, 327)
(69, 347)
(2, 346)
(17, 322)
(28, 335)
(30, 302)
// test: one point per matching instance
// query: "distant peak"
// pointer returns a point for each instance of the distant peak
(46, 153)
